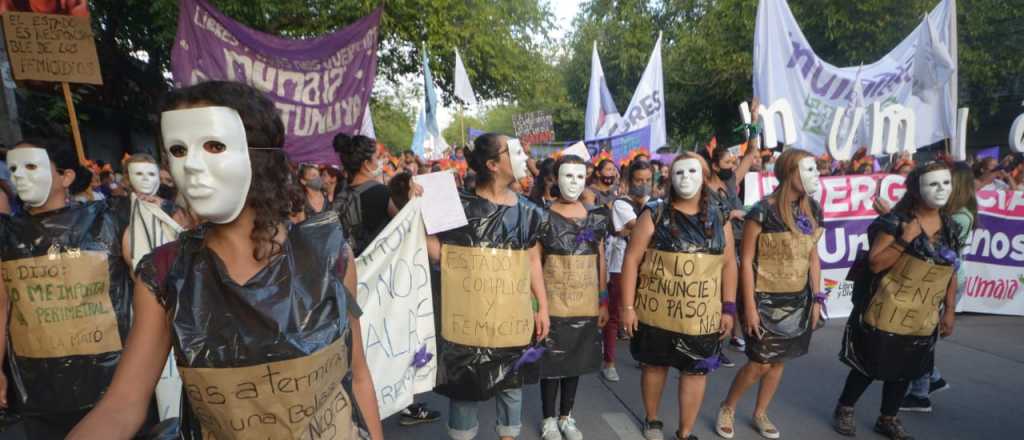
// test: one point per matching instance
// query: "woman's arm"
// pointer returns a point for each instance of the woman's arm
(362, 382)
(122, 410)
(542, 320)
(638, 242)
(886, 250)
(728, 279)
(815, 278)
(433, 248)
(602, 284)
(949, 312)
(751, 320)
(5, 204)
(4, 307)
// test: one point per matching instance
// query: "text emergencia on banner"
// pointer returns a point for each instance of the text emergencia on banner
(994, 256)
(320, 85)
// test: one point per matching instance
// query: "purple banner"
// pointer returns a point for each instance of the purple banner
(621, 148)
(320, 85)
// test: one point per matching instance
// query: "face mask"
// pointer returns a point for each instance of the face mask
(380, 169)
(725, 175)
(640, 191)
(687, 176)
(518, 157)
(144, 177)
(608, 180)
(209, 160)
(31, 172)
(572, 178)
(315, 184)
(936, 187)
(809, 175)
(770, 167)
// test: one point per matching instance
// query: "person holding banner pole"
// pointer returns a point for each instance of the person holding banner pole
(679, 293)
(574, 277)
(493, 307)
(780, 276)
(889, 338)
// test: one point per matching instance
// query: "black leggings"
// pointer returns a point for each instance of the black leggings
(549, 390)
(893, 392)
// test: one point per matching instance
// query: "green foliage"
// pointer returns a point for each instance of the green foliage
(392, 123)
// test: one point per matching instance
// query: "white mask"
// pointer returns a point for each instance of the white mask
(31, 172)
(572, 178)
(215, 183)
(517, 155)
(809, 175)
(936, 187)
(144, 177)
(687, 178)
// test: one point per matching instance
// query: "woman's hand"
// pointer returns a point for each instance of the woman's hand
(736, 214)
(725, 326)
(815, 315)
(602, 316)
(752, 322)
(542, 324)
(415, 190)
(629, 321)
(946, 323)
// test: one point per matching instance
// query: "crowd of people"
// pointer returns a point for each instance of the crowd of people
(241, 265)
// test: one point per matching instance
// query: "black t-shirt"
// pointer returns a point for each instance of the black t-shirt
(374, 205)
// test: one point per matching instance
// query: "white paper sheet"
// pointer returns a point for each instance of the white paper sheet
(442, 210)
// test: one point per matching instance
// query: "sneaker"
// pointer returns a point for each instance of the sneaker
(726, 362)
(916, 404)
(938, 385)
(610, 374)
(418, 413)
(689, 437)
(842, 421)
(765, 427)
(738, 343)
(652, 430)
(569, 430)
(549, 429)
(725, 422)
(892, 428)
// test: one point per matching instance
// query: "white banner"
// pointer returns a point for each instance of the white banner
(786, 67)
(600, 105)
(647, 108)
(398, 310)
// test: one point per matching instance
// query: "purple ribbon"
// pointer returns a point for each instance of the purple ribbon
(529, 356)
(950, 257)
(422, 357)
(804, 224)
(586, 235)
(820, 299)
(709, 363)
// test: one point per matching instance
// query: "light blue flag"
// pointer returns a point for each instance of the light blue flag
(419, 135)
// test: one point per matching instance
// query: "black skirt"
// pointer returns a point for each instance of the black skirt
(886, 356)
(786, 320)
(573, 348)
(688, 354)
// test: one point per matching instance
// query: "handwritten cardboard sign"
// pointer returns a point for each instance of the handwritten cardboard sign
(680, 292)
(908, 297)
(300, 398)
(485, 297)
(60, 305)
(783, 262)
(571, 282)
(47, 47)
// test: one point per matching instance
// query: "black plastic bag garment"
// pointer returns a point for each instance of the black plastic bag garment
(486, 302)
(265, 358)
(571, 248)
(679, 308)
(70, 292)
(882, 340)
(786, 320)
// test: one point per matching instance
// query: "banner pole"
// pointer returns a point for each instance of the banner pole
(462, 126)
(73, 116)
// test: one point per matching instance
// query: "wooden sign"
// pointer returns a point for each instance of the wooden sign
(908, 297)
(300, 398)
(486, 297)
(783, 262)
(47, 47)
(60, 305)
(571, 283)
(680, 292)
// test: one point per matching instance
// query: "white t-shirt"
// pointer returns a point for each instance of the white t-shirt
(622, 213)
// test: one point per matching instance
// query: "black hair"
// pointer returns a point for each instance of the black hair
(60, 151)
(83, 179)
(272, 188)
(469, 182)
(634, 167)
(306, 167)
(545, 171)
(398, 188)
(485, 148)
(912, 197)
(354, 151)
(564, 160)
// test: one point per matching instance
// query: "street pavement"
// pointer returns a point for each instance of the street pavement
(983, 362)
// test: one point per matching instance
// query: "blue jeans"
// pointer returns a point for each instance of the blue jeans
(921, 386)
(463, 423)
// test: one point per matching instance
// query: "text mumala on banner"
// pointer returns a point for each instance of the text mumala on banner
(300, 398)
(60, 305)
(571, 283)
(680, 292)
(485, 297)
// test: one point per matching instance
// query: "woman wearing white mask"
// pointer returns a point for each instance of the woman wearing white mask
(679, 291)
(889, 337)
(261, 315)
(64, 345)
(574, 276)
(781, 274)
(491, 275)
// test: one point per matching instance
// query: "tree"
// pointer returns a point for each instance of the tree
(392, 122)
(454, 134)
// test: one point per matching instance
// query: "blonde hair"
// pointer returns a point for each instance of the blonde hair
(787, 168)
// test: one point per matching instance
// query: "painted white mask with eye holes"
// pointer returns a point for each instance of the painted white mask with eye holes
(209, 160)
(31, 173)
(517, 156)
(936, 186)
(809, 175)
(572, 178)
(144, 177)
(687, 178)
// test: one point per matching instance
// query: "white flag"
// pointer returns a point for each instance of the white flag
(463, 90)
(647, 108)
(367, 128)
(600, 105)
(933, 66)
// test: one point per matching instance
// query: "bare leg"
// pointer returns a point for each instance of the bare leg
(748, 375)
(769, 383)
(691, 395)
(652, 383)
